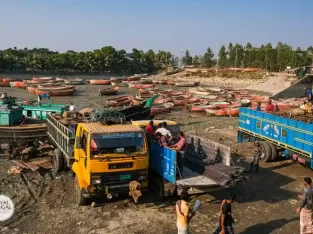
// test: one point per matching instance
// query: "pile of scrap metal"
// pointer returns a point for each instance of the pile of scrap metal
(29, 155)
(212, 160)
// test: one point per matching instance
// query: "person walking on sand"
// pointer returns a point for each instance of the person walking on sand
(306, 207)
(72, 107)
(226, 219)
(257, 152)
(183, 214)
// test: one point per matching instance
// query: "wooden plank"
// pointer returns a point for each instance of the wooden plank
(20, 163)
(47, 165)
(31, 166)
(40, 161)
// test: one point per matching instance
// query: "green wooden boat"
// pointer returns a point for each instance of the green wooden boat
(40, 111)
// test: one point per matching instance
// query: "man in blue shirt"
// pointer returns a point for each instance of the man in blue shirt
(308, 93)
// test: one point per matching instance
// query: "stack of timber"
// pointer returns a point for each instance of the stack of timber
(212, 160)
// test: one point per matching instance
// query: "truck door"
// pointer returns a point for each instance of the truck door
(83, 152)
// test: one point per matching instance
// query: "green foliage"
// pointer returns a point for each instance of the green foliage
(187, 59)
(106, 59)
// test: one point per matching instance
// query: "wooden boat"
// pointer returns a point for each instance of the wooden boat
(23, 133)
(5, 80)
(210, 112)
(12, 84)
(119, 84)
(220, 112)
(140, 86)
(52, 88)
(214, 89)
(119, 98)
(141, 97)
(144, 91)
(17, 84)
(60, 92)
(138, 112)
(39, 82)
(137, 102)
(235, 69)
(251, 69)
(116, 78)
(39, 79)
(160, 109)
(170, 82)
(141, 75)
(100, 82)
(200, 107)
(186, 84)
(109, 91)
(132, 78)
(232, 111)
(5, 84)
(23, 86)
(210, 97)
(31, 89)
(120, 102)
(74, 81)
(183, 102)
(45, 85)
(59, 79)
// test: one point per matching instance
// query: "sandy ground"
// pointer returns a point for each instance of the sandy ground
(265, 205)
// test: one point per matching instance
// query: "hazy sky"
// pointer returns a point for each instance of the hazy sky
(173, 25)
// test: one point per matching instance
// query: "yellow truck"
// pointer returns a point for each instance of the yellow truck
(103, 158)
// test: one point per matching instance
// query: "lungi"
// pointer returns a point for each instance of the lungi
(306, 221)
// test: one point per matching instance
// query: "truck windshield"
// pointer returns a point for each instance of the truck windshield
(116, 143)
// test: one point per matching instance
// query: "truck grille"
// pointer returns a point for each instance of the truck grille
(113, 166)
(118, 177)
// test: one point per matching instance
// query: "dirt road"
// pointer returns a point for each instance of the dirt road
(266, 205)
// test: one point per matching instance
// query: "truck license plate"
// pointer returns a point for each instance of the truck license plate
(125, 177)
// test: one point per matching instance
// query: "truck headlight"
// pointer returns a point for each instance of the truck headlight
(142, 177)
(96, 181)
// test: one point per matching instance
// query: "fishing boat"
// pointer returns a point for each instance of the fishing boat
(251, 69)
(59, 79)
(17, 84)
(74, 81)
(119, 84)
(131, 78)
(109, 91)
(5, 84)
(140, 86)
(200, 107)
(31, 89)
(144, 91)
(52, 88)
(232, 111)
(146, 81)
(5, 80)
(170, 82)
(12, 84)
(57, 92)
(210, 112)
(23, 86)
(121, 101)
(44, 85)
(214, 89)
(100, 82)
(39, 79)
(210, 97)
(182, 102)
(116, 78)
(186, 84)
(38, 82)
(160, 109)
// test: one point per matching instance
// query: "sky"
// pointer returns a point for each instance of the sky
(173, 25)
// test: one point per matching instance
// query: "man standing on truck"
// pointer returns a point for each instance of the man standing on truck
(270, 106)
(306, 206)
(308, 93)
(164, 131)
(183, 214)
(256, 157)
(226, 220)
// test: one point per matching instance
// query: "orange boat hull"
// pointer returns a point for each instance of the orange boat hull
(100, 82)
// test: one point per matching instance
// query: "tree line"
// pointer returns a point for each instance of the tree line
(108, 59)
(265, 57)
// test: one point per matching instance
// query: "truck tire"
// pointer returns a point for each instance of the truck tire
(58, 161)
(266, 151)
(274, 152)
(80, 199)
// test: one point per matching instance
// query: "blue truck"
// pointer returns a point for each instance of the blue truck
(278, 136)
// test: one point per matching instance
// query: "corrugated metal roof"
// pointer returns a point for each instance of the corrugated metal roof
(100, 128)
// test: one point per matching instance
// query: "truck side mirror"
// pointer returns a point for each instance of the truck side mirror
(78, 142)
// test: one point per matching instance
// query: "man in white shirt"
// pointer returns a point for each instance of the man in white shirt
(72, 107)
(164, 131)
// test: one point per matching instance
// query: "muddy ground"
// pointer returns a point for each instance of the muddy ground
(265, 205)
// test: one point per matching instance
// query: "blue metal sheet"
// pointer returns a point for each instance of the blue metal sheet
(163, 161)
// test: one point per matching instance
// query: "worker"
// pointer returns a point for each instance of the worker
(162, 140)
(308, 93)
(270, 107)
(150, 129)
(180, 147)
(72, 107)
(164, 131)
(183, 214)
(258, 107)
(135, 190)
(306, 206)
(181, 144)
(257, 152)
(226, 219)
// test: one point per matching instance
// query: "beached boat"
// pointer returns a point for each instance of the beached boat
(120, 101)
(116, 78)
(12, 84)
(182, 102)
(17, 84)
(5, 80)
(31, 89)
(170, 82)
(200, 107)
(59, 79)
(144, 91)
(160, 109)
(23, 86)
(56, 92)
(210, 97)
(109, 91)
(36, 82)
(39, 79)
(140, 86)
(52, 88)
(119, 84)
(251, 69)
(232, 111)
(74, 81)
(131, 78)
(186, 84)
(5, 84)
(100, 82)
(214, 89)
(210, 112)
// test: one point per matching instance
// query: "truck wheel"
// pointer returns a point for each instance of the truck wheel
(274, 152)
(80, 199)
(266, 151)
(58, 160)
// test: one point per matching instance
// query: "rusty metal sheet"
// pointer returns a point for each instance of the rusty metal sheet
(207, 149)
